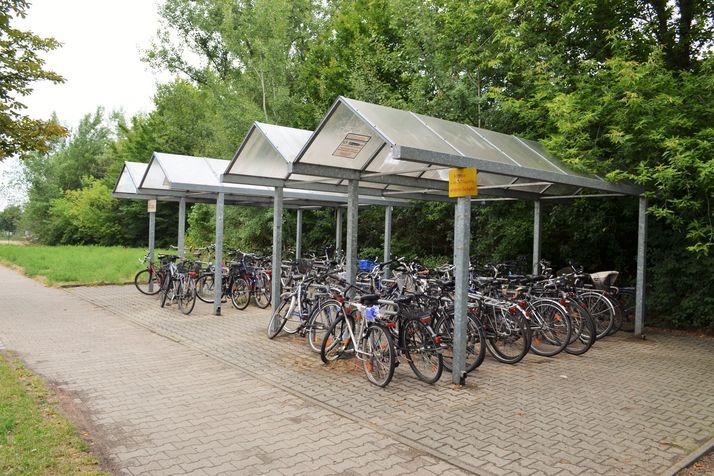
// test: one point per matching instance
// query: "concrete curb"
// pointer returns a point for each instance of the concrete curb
(690, 459)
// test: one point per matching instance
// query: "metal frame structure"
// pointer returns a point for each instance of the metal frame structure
(265, 158)
(377, 154)
(400, 153)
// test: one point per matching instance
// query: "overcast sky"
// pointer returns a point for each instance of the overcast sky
(100, 59)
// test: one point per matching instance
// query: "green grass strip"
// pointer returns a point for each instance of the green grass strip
(35, 439)
(75, 265)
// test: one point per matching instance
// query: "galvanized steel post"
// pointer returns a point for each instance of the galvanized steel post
(182, 227)
(338, 233)
(277, 246)
(462, 244)
(352, 217)
(641, 267)
(387, 238)
(152, 227)
(298, 235)
(537, 214)
(218, 271)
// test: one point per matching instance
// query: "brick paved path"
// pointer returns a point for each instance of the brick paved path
(168, 409)
(626, 407)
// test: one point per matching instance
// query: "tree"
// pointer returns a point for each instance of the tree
(9, 218)
(20, 66)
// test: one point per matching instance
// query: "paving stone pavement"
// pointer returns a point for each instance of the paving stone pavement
(165, 408)
(626, 407)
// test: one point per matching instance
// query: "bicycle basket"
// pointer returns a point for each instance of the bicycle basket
(304, 266)
(237, 269)
(366, 264)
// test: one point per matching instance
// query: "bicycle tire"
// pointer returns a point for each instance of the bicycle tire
(584, 332)
(205, 289)
(165, 290)
(320, 322)
(475, 342)
(336, 341)
(186, 298)
(380, 359)
(277, 319)
(142, 282)
(551, 328)
(262, 290)
(626, 298)
(509, 329)
(422, 352)
(240, 293)
(601, 310)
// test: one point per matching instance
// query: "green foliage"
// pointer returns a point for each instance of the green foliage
(21, 66)
(10, 218)
(623, 89)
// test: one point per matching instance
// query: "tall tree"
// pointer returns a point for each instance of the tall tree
(20, 66)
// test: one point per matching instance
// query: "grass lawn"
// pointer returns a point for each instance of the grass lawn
(34, 437)
(58, 265)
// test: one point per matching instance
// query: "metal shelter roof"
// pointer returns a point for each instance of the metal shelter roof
(400, 153)
(198, 179)
(127, 185)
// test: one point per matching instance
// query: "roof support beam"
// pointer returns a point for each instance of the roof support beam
(298, 235)
(641, 267)
(412, 154)
(537, 228)
(152, 228)
(218, 268)
(277, 246)
(387, 239)
(182, 226)
(352, 217)
(462, 242)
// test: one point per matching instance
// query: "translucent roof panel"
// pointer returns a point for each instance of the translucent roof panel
(186, 169)
(267, 151)
(257, 157)
(380, 142)
(154, 178)
(345, 141)
(126, 182)
(288, 141)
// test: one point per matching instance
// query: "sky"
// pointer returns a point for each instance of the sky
(100, 60)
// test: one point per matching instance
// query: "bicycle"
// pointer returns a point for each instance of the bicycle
(365, 333)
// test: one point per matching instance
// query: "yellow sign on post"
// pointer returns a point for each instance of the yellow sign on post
(463, 182)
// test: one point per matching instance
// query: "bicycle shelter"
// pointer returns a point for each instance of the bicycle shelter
(196, 179)
(363, 148)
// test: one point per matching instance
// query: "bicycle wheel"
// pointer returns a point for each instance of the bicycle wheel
(144, 279)
(550, 328)
(278, 318)
(626, 298)
(205, 289)
(583, 335)
(601, 310)
(186, 296)
(508, 336)
(422, 352)
(619, 314)
(166, 289)
(337, 339)
(262, 290)
(320, 322)
(475, 342)
(380, 356)
(240, 293)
